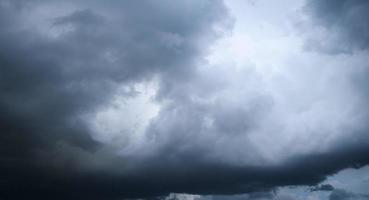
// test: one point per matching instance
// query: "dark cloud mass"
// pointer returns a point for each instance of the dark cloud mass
(58, 67)
(346, 21)
(216, 131)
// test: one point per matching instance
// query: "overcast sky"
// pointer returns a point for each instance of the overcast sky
(184, 100)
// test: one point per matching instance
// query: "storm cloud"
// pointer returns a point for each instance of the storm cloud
(131, 99)
(346, 24)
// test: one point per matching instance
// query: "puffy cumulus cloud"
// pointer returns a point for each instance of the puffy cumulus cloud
(344, 26)
(136, 99)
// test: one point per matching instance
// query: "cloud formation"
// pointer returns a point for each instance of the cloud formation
(340, 194)
(347, 31)
(323, 187)
(119, 99)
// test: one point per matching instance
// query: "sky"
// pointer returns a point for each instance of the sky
(184, 100)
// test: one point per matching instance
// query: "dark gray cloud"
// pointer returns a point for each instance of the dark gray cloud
(346, 22)
(55, 66)
(61, 61)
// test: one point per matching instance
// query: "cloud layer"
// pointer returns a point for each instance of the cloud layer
(111, 100)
